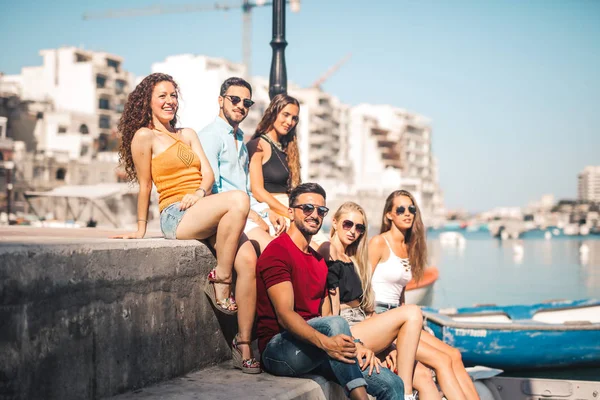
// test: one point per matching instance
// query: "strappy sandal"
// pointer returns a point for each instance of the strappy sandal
(223, 305)
(249, 365)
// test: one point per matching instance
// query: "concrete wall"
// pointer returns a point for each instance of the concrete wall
(88, 318)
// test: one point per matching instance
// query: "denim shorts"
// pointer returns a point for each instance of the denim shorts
(383, 307)
(353, 315)
(170, 218)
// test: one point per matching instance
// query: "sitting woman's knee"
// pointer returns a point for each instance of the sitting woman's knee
(414, 312)
(245, 261)
(455, 356)
(442, 361)
(240, 200)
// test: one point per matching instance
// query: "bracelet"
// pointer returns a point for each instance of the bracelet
(357, 340)
(203, 191)
(145, 220)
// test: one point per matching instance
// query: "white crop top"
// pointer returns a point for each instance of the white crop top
(390, 278)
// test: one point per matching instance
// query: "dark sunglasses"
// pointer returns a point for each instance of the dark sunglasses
(308, 209)
(236, 99)
(411, 209)
(347, 225)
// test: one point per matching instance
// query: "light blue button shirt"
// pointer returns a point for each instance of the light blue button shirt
(230, 164)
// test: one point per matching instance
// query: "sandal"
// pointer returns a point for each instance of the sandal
(227, 305)
(249, 365)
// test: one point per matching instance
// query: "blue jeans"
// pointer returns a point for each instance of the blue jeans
(285, 355)
(170, 218)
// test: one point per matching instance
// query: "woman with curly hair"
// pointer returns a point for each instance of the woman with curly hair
(273, 150)
(397, 254)
(154, 150)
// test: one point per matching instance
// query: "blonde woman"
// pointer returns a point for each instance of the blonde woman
(398, 254)
(349, 284)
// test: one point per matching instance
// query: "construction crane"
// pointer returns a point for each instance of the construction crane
(317, 84)
(247, 6)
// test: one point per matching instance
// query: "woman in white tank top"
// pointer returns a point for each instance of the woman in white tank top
(396, 255)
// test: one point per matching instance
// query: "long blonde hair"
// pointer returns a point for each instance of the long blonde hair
(289, 142)
(359, 255)
(414, 237)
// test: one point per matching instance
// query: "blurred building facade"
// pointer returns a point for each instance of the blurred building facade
(588, 184)
(62, 118)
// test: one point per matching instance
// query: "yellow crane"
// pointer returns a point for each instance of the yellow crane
(246, 6)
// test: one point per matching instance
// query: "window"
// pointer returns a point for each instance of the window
(113, 64)
(103, 142)
(84, 150)
(83, 129)
(103, 104)
(120, 86)
(61, 173)
(104, 122)
(119, 108)
(100, 81)
(81, 57)
(62, 129)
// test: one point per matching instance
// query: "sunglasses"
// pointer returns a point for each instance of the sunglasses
(347, 225)
(236, 99)
(411, 209)
(308, 209)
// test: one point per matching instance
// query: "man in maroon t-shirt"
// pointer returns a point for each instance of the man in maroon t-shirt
(292, 337)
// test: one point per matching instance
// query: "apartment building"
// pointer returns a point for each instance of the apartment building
(588, 184)
(80, 95)
(391, 149)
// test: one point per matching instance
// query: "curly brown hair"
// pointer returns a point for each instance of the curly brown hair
(415, 236)
(289, 142)
(137, 114)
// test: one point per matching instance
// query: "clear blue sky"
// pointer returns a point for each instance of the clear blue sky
(512, 86)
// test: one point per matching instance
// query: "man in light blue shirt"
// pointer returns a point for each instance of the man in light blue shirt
(222, 141)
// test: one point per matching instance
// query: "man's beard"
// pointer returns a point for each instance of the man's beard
(306, 230)
(232, 117)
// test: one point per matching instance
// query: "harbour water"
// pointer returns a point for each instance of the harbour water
(489, 271)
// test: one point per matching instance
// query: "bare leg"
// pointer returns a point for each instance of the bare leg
(226, 214)
(403, 325)
(424, 383)
(465, 381)
(442, 364)
(245, 293)
(260, 237)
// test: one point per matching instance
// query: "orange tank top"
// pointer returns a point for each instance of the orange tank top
(175, 172)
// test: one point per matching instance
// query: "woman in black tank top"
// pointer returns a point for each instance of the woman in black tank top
(274, 160)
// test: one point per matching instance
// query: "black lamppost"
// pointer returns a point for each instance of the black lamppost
(278, 75)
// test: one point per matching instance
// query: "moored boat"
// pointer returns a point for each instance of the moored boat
(504, 388)
(553, 334)
(422, 292)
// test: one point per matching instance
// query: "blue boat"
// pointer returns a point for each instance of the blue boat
(546, 335)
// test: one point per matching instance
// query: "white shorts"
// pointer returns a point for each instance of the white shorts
(259, 207)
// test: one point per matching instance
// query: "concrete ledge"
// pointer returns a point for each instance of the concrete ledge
(224, 383)
(84, 318)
